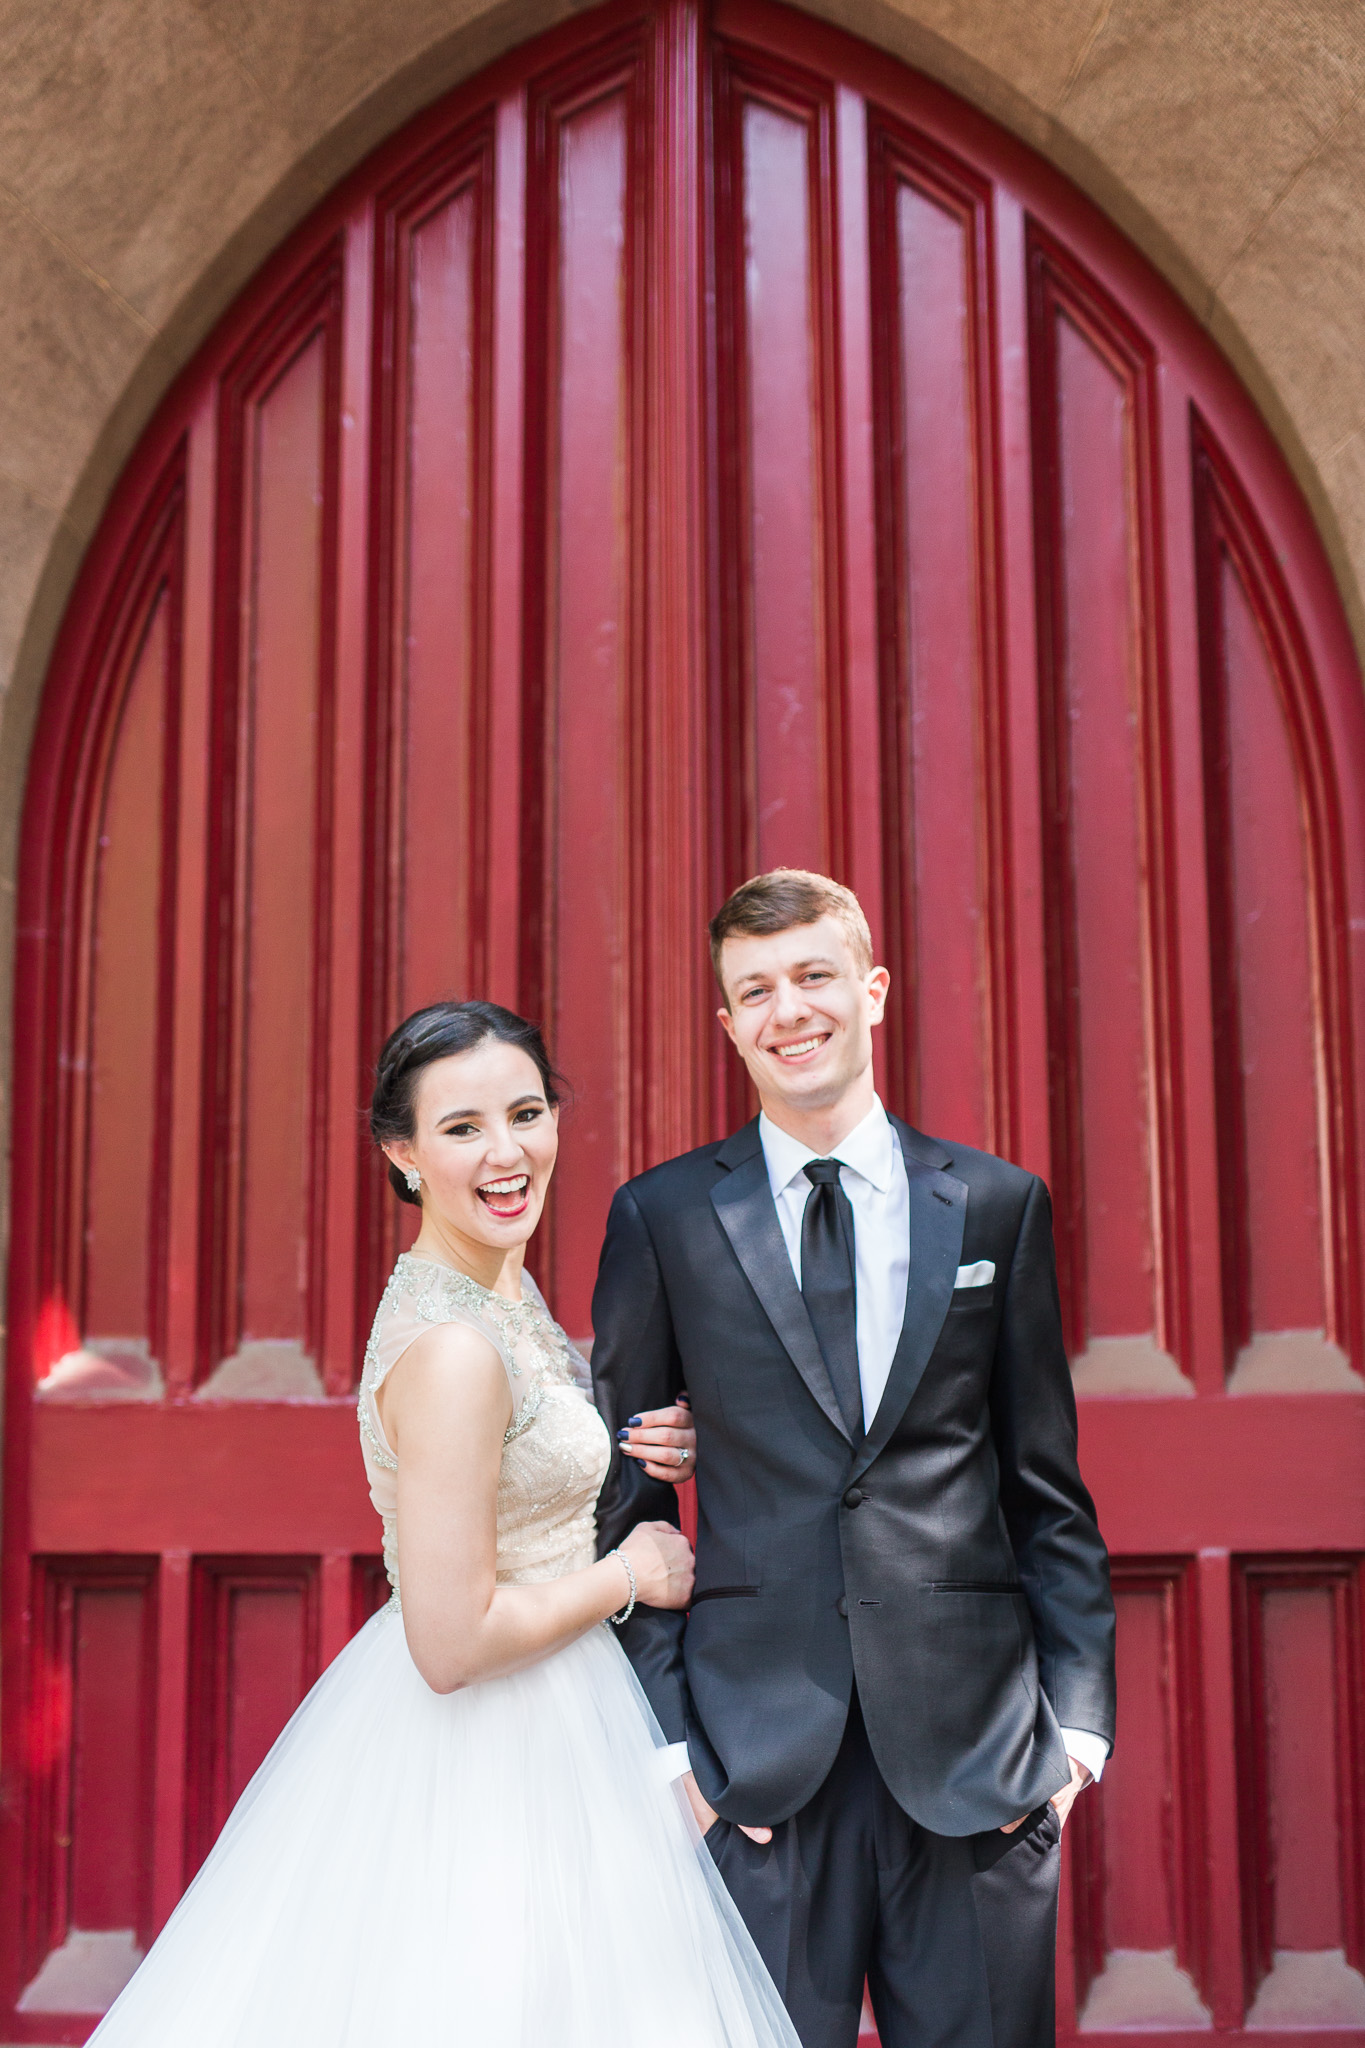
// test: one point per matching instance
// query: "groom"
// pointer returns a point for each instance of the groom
(898, 1668)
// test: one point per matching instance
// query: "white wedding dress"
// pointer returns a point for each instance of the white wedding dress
(500, 1867)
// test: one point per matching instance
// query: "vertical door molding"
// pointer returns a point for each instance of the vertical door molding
(675, 1026)
(857, 531)
(1070, 309)
(171, 1720)
(352, 1169)
(507, 881)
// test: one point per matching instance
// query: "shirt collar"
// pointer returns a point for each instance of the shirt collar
(869, 1150)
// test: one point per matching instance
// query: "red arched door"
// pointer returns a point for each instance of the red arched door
(696, 444)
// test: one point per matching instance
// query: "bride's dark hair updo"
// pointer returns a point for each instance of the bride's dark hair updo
(434, 1034)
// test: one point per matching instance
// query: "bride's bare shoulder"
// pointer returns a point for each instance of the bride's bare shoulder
(450, 1370)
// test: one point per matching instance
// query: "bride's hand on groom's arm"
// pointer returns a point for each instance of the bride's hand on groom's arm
(663, 1440)
(1080, 1778)
(661, 1558)
(706, 1816)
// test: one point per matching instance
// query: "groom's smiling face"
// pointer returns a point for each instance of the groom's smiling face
(800, 1013)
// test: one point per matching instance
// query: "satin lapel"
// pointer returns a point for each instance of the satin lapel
(938, 1214)
(744, 1203)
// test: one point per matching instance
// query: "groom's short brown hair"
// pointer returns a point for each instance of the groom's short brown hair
(785, 897)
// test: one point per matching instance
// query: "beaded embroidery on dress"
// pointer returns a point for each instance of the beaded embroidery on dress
(556, 1450)
(488, 1868)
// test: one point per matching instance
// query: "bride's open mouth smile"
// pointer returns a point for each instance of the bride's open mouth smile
(507, 1198)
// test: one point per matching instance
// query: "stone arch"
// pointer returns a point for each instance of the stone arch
(153, 157)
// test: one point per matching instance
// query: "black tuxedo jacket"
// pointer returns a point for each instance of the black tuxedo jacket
(949, 1558)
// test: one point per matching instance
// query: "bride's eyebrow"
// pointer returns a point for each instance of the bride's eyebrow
(522, 1102)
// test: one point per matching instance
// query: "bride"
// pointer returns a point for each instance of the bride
(465, 1836)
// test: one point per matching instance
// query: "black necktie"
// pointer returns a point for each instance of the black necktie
(827, 1282)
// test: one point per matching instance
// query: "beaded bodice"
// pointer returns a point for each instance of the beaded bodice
(555, 1450)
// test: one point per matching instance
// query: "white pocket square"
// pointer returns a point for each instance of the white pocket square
(979, 1275)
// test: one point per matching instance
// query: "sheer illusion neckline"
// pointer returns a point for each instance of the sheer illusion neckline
(523, 1300)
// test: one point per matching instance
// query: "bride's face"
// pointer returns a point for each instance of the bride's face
(485, 1144)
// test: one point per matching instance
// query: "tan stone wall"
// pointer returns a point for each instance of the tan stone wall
(153, 151)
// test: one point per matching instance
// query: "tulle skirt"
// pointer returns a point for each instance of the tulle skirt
(502, 1867)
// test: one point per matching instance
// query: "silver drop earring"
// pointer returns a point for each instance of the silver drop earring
(413, 1179)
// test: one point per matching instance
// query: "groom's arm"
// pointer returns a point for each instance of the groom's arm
(1062, 1560)
(635, 1366)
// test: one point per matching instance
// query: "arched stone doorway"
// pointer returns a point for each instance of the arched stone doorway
(695, 444)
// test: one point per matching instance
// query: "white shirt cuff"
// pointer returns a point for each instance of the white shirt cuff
(1090, 1750)
(674, 1761)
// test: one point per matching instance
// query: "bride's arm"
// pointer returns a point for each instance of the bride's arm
(446, 1405)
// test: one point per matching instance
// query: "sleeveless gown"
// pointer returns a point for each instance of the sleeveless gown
(500, 1867)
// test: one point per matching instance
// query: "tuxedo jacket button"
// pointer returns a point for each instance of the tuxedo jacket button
(842, 1603)
(855, 1497)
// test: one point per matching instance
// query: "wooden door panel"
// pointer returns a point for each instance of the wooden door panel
(789, 757)
(89, 1805)
(936, 439)
(1273, 1055)
(774, 369)
(695, 444)
(1141, 1942)
(1113, 1051)
(101, 1323)
(271, 770)
(432, 294)
(591, 664)
(281, 775)
(1284, 1090)
(1303, 1755)
(437, 491)
(120, 1235)
(253, 1656)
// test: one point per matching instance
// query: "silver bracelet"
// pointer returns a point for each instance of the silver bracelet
(620, 1620)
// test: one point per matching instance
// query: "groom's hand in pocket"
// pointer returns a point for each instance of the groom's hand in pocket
(706, 1816)
(664, 1441)
(1080, 1778)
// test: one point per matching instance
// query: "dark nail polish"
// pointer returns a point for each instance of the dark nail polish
(634, 1422)
(621, 1435)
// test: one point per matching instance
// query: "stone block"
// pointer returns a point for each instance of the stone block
(134, 133)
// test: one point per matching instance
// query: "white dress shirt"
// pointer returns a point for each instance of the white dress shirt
(872, 1174)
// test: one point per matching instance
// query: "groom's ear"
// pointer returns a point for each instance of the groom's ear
(727, 1022)
(878, 987)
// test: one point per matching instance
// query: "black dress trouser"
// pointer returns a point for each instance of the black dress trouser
(954, 1934)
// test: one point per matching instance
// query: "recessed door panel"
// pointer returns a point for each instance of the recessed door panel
(931, 243)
